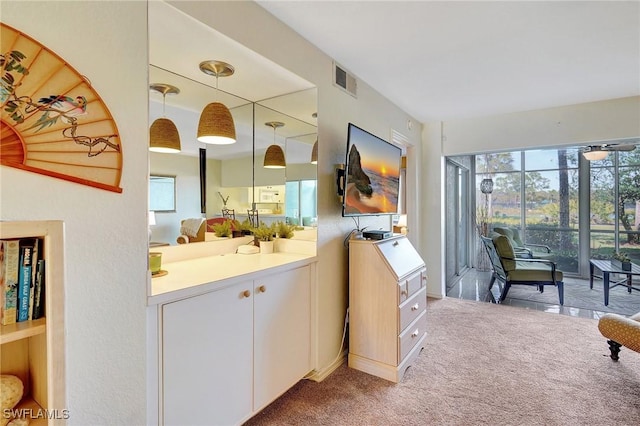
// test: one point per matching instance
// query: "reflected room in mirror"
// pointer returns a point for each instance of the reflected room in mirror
(234, 172)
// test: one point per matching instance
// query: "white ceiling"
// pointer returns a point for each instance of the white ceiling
(451, 60)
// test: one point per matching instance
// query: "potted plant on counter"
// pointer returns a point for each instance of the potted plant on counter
(223, 229)
(263, 235)
(284, 230)
(245, 227)
(621, 260)
(236, 230)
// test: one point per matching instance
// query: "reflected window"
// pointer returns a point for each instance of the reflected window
(162, 193)
(300, 204)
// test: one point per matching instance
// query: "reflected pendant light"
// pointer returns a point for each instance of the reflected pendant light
(274, 157)
(314, 153)
(216, 123)
(163, 135)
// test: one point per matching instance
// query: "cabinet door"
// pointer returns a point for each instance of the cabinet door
(206, 358)
(282, 333)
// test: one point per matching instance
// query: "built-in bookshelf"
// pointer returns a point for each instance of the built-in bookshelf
(33, 350)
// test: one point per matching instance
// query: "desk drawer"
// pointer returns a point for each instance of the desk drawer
(412, 308)
(409, 286)
(411, 335)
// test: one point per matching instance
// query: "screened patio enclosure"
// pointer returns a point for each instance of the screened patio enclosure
(555, 197)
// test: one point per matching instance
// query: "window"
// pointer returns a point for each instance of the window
(538, 192)
(162, 193)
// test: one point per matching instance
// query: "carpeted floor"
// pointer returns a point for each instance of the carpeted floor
(483, 364)
(577, 294)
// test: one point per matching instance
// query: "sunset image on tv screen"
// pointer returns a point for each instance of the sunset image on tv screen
(373, 174)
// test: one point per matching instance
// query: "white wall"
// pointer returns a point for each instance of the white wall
(564, 125)
(249, 24)
(105, 232)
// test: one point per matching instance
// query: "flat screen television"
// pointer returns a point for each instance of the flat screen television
(372, 175)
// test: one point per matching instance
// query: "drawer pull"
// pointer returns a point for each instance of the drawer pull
(246, 293)
(415, 307)
(415, 333)
(395, 243)
(262, 289)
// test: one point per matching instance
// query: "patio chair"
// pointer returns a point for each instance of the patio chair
(510, 270)
(522, 249)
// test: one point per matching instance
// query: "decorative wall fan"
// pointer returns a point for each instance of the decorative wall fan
(52, 121)
(600, 152)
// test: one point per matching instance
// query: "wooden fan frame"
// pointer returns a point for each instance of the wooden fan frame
(56, 125)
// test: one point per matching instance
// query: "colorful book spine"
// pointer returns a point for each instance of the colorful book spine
(34, 262)
(9, 253)
(39, 290)
(24, 279)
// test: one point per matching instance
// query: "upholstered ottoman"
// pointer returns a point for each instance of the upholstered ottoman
(621, 331)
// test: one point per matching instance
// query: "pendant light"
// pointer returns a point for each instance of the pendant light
(216, 123)
(274, 157)
(314, 150)
(314, 153)
(163, 135)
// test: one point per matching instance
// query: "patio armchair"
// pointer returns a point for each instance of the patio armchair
(522, 249)
(509, 270)
(621, 331)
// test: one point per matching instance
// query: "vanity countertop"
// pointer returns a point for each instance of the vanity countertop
(187, 278)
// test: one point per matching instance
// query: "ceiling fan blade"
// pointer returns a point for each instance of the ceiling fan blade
(619, 147)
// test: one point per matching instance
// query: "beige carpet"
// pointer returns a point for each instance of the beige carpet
(483, 364)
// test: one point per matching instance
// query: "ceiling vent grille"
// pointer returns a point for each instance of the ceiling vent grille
(345, 80)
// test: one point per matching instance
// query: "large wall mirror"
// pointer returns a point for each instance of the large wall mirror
(257, 93)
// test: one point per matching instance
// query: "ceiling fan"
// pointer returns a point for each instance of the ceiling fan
(600, 152)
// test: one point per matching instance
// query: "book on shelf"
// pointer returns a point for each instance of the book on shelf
(27, 245)
(39, 290)
(34, 263)
(9, 260)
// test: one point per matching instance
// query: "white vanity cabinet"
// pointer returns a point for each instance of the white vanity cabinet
(281, 333)
(387, 306)
(228, 353)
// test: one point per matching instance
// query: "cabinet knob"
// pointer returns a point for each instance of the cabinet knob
(246, 293)
(415, 307)
(262, 289)
(415, 333)
(395, 243)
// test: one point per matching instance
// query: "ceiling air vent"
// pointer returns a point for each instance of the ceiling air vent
(344, 80)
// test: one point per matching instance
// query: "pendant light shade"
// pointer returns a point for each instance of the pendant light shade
(595, 154)
(314, 153)
(163, 135)
(216, 123)
(274, 157)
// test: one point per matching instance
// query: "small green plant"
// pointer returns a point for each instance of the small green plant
(264, 232)
(222, 229)
(284, 230)
(245, 226)
(622, 257)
